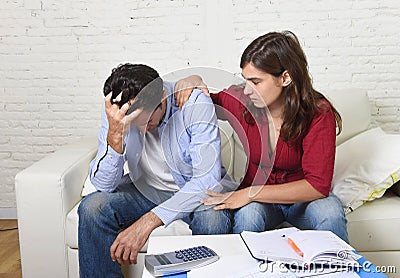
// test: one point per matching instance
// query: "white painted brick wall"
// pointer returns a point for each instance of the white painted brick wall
(55, 56)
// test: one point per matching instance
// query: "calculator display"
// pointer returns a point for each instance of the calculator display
(162, 259)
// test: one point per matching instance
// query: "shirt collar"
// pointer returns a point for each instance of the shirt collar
(171, 107)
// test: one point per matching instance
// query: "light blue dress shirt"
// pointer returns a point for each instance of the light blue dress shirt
(191, 145)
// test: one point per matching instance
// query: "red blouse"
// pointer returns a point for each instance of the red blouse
(313, 159)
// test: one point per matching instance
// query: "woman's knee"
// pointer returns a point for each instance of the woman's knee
(329, 205)
(251, 210)
(327, 211)
(210, 221)
(251, 217)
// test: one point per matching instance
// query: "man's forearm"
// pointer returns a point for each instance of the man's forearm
(115, 141)
(150, 221)
(106, 169)
(129, 242)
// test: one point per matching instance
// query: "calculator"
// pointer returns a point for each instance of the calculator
(180, 260)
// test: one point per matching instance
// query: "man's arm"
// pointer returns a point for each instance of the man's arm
(129, 242)
(106, 170)
(205, 160)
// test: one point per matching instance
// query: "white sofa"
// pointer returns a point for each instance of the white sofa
(49, 191)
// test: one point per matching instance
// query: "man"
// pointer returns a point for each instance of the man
(173, 156)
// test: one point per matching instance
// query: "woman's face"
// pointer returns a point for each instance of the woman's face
(263, 89)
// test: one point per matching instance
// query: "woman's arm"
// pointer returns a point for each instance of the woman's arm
(288, 193)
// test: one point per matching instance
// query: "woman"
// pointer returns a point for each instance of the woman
(291, 180)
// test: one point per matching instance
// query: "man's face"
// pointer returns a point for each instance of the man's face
(146, 120)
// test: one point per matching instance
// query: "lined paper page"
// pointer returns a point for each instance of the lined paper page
(271, 245)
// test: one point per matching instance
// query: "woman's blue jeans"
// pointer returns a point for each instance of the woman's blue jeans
(103, 215)
(322, 214)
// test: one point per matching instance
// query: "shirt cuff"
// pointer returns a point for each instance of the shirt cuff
(112, 157)
(167, 216)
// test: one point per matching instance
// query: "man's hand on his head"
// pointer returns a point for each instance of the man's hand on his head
(129, 242)
(117, 123)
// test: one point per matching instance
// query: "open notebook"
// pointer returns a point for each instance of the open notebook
(300, 247)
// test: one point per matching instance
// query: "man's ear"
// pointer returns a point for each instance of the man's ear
(286, 79)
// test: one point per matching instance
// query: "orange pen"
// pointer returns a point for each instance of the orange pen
(295, 247)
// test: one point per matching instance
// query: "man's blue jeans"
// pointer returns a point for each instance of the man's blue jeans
(103, 215)
(321, 214)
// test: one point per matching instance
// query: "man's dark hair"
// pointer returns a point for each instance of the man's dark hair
(139, 82)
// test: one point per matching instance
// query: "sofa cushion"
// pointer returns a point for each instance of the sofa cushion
(375, 226)
(176, 228)
(356, 120)
(365, 166)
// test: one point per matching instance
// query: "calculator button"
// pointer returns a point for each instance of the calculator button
(179, 255)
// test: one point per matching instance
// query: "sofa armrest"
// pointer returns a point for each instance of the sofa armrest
(45, 193)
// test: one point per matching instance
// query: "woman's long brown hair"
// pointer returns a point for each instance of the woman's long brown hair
(274, 53)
